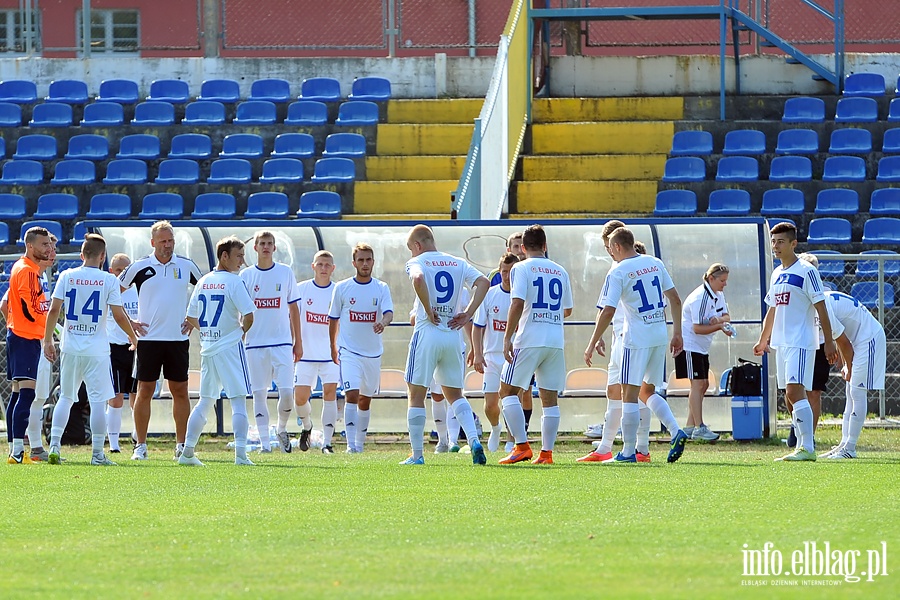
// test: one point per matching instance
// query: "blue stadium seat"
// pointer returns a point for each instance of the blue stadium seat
(74, 171)
(103, 114)
(891, 141)
(744, 142)
(320, 204)
(294, 145)
(120, 91)
(864, 84)
(57, 206)
(51, 114)
(18, 91)
(220, 90)
(737, 168)
(88, 146)
(230, 171)
(267, 205)
(797, 141)
(783, 201)
(178, 171)
(173, 91)
(804, 110)
(684, 169)
(22, 172)
(125, 171)
(676, 203)
(691, 143)
(728, 203)
(10, 115)
(357, 112)
(884, 202)
(12, 207)
(856, 110)
(4, 239)
(255, 112)
(139, 146)
(829, 230)
(374, 89)
(306, 113)
(851, 140)
(888, 169)
(322, 89)
(790, 168)
(869, 268)
(53, 227)
(345, 145)
(193, 146)
(153, 113)
(2, 148)
(78, 232)
(829, 268)
(214, 205)
(837, 202)
(334, 170)
(204, 112)
(272, 90)
(894, 110)
(109, 206)
(883, 230)
(844, 168)
(162, 205)
(867, 293)
(242, 145)
(282, 170)
(68, 91)
(36, 146)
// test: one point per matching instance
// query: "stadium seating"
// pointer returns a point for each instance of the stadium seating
(864, 84)
(230, 171)
(74, 171)
(684, 169)
(282, 170)
(783, 201)
(139, 146)
(88, 146)
(22, 172)
(214, 205)
(53, 227)
(829, 268)
(125, 171)
(804, 110)
(844, 168)
(676, 203)
(36, 146)
(109, 206)
(51, 114)
(153, 114)
(120, 91)
(891, 142)
(242, 145)
(306, 113)
(12, 207)
(829, 230)
(321, 89)
(103, 114)
(57, 206)
(193, 146)
(691, 143)
(334, 170)
(882, 230)
(837, 202)
(220, 90)
(294, 145)
(255, 112)
(267, 205)
(78, 233)
(797, 141)
(4, 239)
(68, 91)
(851, 140)
(357, 112)
(18, 91)
(374, 89)
(894, 110)
(320, 204)
(885, 202)
(173, 91)
(10, 115)
(345, 145)
(162, 205)
(729, 202)
(856, 110)
(178, 171)
(869, 268)
(737, 168)
(867, 293)
(744, 142)
(889, 169)
(790, 168)
(204, 112)
(272, 90)
(586, 382)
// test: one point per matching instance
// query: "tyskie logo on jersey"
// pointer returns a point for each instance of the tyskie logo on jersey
(499, 325)
(317, 318)
(267, 302)
(782, 299)
(362, 317)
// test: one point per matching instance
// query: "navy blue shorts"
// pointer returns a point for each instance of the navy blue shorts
(22, 357)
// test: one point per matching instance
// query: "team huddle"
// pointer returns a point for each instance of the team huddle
(258, 326)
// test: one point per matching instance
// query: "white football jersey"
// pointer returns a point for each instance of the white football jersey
(491, 316)
(636, 285)
(850, 317)
(87, 293)
(272, 290)
(544, 286)
(445, 276)
(130, 304)
(699, 307)
(792, 293)
(218, 301)
(359, 306)
(315, 302)
(163, 294)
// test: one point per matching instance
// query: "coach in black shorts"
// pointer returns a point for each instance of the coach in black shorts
(163, 281)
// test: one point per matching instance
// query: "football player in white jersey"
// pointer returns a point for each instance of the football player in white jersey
(89, 295)
(316, 363)
(361, 307)
(273, 345)
(222, 310)
(795, 296)
(121, 356)
(437, 280)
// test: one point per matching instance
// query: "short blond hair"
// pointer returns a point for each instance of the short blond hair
(362, 247)
(161, 226)
(262, 234)
(323, 254)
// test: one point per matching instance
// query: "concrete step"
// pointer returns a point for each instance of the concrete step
(560, 110)
(425, 139)
(601, 197)
(390, 168)
(403, 197)
(599, 167)
(443, 110)
(618, 137)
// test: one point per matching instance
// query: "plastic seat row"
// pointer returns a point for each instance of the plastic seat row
(830, 267)
(853, 109)
(871, 85)
(749, 142)
(685, 169)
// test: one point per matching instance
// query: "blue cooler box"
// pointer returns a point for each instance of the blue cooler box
(747, 417)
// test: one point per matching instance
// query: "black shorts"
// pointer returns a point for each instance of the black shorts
(122, 362)
(821, 370)
(692, 365)
(22, 357)
(173, 358)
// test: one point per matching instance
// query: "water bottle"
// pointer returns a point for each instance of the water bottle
(729, 329)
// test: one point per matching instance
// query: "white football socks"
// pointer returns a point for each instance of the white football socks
(661, 409)
(466, 418)
(35, 420)
(848, 408)
(494, 440)
(98, 426)
(631, 419)
(452, 426)
(611, 423)
(802, 417)
(261, 412)
(439, 413)
(549, 428)
(240, 425)
(643, 434)
(196, 423)
(362, 427)
(304, 413)
(113, 425)
(350, 419)
(285, 406)
(857, 416)
(415, 420)
(515, 418)
(329, 418)
(60, 420)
